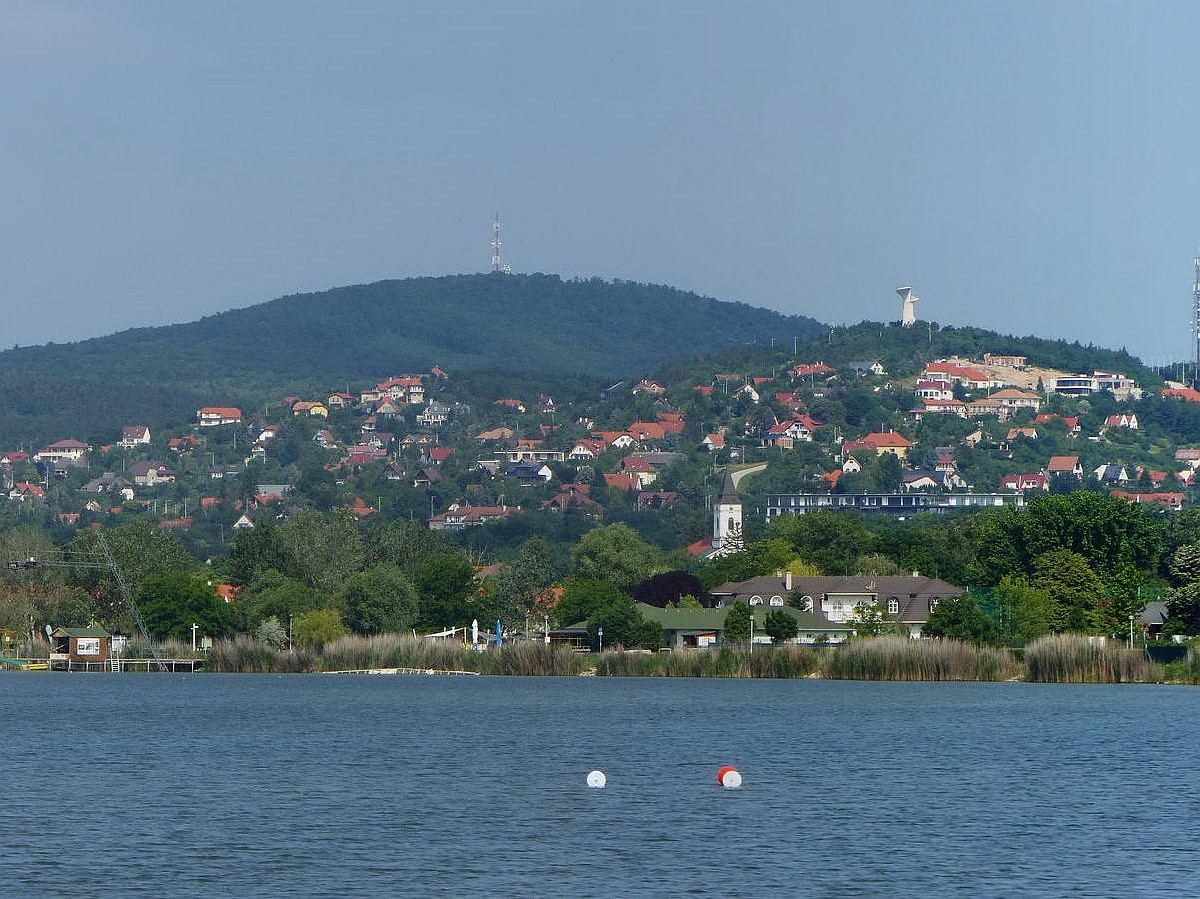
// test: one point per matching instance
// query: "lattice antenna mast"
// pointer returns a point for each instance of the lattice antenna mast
(1196, 322)
(497, 265)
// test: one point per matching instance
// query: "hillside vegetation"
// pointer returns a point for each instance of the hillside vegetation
(524, 324)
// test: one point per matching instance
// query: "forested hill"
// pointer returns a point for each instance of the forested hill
(526, 324)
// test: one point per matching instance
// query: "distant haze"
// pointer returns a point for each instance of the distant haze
(1028, 167)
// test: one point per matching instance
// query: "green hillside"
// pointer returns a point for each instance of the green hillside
(525, 324)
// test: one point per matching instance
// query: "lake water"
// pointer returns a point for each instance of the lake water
(384, 786)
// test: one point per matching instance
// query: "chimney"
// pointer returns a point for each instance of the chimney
(787, 579)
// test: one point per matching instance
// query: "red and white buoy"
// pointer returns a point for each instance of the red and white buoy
(729, 777)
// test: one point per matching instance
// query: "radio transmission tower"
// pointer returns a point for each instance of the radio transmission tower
(497, 264)
(1196, 322)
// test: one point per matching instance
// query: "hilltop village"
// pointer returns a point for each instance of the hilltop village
(961, 433)
(713, 473)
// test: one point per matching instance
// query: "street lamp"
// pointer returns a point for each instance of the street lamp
(600, 636)
(752, 632)
(546, 627)
(1131, 617)
(196, 627)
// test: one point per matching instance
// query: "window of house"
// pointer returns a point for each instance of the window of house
(893, 606)
(807, 603)
(756, 600)
(776, 600)
(933, 603)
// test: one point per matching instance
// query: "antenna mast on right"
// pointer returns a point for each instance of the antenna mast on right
(1196, 322)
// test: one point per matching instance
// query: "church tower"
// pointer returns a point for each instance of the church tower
(727, 520)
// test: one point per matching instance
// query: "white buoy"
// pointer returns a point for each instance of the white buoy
(596, 780)
(731, 779)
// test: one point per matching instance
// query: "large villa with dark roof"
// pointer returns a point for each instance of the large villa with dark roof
(907, 599)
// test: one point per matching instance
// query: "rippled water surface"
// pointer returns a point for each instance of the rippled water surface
(244, 785)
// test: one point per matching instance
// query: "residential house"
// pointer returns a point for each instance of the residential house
(304, 407)
(510, 404)
(1063, 466)
(586, 450)
(713, 442)
(1122, 420)
(529, 473)
(183, 445)
(935, 390)
(747, 392)
(435, 415)
(869, 367)
(339, 401)
(151, 474)
(1027, 433)
(811, 370)
(1187, 394)
(1012, 398)
(458, 516)
(215, 416)
(906, 600)
(26, 491)
(574, 498)
(921, 480)
(1111, 474)
(1019, 362)
(63, 451)
(651, 388)
(643, 471)
(957, 372)
(1023, 482)
(656, 499)
(134, 435)
(622, 481)
(793, 402)
(1172, 501)
(889, 442)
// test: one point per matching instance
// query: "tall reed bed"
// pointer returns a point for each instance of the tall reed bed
(531, 659)
(768, 661)
(245, 655)
(167, 649)
(1073, 659)
(903, 659)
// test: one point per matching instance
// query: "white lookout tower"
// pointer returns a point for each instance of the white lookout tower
(908, 316)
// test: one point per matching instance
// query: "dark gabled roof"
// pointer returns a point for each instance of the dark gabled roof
(80, 632)
(714, 619)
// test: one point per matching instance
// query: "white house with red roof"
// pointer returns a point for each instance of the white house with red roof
(1122, 420)
(215, 416)
(1023, 482)
(63, 451)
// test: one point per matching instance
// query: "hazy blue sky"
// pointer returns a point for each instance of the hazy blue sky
(1030, 167)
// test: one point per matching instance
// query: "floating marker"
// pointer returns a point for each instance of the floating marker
(729, 777)
(596, 780)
